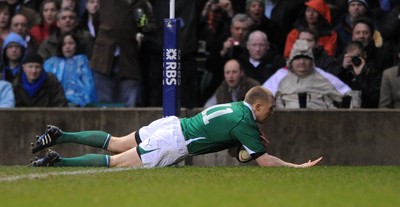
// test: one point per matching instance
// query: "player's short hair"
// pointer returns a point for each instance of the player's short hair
(259, 93)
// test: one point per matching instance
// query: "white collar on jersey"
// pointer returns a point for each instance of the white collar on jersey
(248, 106)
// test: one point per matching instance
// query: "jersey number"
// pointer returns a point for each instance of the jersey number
(225, 109)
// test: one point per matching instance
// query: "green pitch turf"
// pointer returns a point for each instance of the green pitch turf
(200, 186)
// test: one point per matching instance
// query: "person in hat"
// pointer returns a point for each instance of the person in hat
(13, 51)
(317, 17)
(33, 87)
(356, 9)
(304, 85)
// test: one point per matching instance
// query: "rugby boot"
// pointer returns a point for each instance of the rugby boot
(47, 139)
(46, 161)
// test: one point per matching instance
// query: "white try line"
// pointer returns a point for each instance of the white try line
(45, 175)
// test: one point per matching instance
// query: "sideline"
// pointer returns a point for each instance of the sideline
(45, 175)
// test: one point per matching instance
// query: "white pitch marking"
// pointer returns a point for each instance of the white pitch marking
(79, 172)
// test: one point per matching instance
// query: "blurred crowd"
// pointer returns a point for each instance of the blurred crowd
(100, 53)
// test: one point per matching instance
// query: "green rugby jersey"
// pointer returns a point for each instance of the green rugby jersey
(220, 127)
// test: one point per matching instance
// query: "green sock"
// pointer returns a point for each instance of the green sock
(88, 160)
(97, 139)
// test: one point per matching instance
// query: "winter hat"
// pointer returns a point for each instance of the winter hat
(32, 57)
(361, 1)
(321, 7)
(300, 49)
(249, 2)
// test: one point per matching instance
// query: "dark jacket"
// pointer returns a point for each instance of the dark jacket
(50, 95)
(223, 93)
(49, 47)
(325, 62)
(270, 63)
(117, 28)
(368, 82)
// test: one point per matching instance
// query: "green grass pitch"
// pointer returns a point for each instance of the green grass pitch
(201, 186)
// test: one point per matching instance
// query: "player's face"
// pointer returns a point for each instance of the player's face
(32, 71)
(262, 111)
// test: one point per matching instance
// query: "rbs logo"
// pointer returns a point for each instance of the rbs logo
(171, 67)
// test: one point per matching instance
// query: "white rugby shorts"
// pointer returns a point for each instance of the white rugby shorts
(163, 143)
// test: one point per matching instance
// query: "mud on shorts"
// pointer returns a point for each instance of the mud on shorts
(163, 143)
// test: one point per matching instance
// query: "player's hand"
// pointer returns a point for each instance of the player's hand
(309, 163)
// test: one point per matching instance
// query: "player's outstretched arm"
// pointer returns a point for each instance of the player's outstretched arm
(272, 161)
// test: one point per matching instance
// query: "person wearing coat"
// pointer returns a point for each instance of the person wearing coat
(317, 17)
(34, 87)
(7, 99)
(390, 86)
(115, 59)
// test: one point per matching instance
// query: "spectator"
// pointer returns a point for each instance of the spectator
(319, 89)
(36, 88)
(357, 73)
(355, 9)
(66, 22)
(232, 48)
(68, 4)
(115, 60)
(214, 24)
(234, 87)
(90, 19)
(13, 52)
(73, 72)
(390, 87)
(390, 29)
(379, 58)
(47, 26)
(316, 17)
(17, 7)
(19, 25)
(283, 13)
(255, 10)
(321, 58)
(7, 99)
(5, 18)
(260, 62)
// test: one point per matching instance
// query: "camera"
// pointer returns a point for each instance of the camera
(356, 60)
